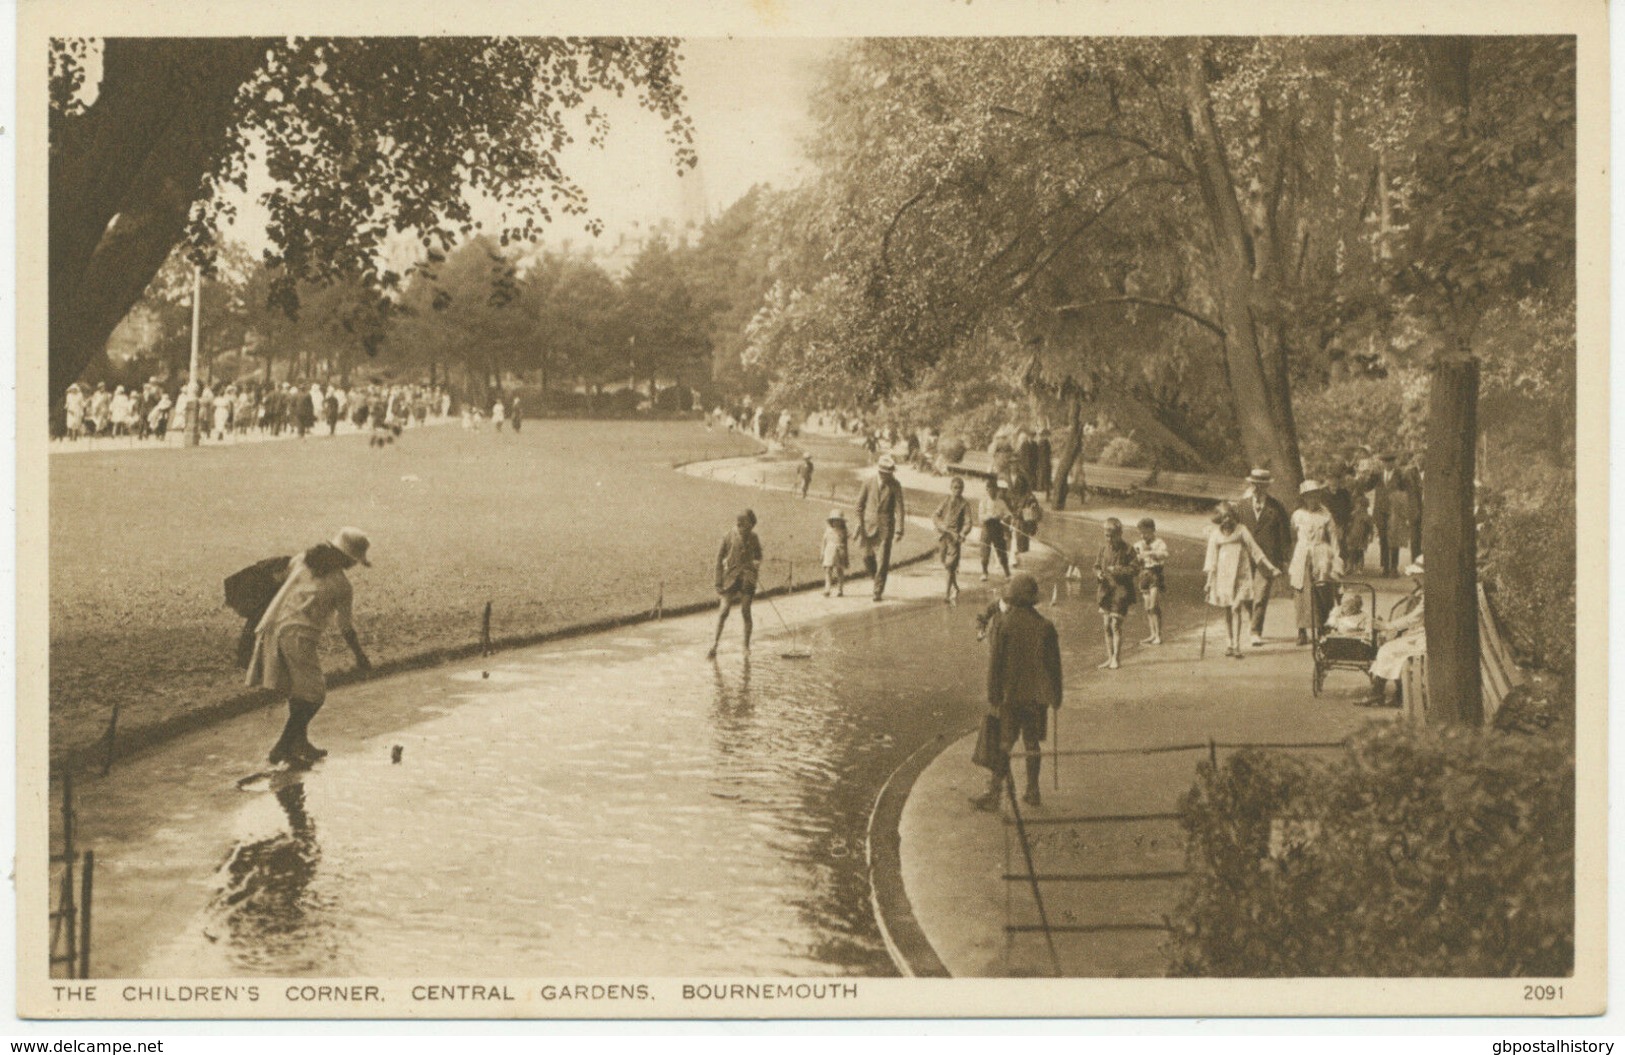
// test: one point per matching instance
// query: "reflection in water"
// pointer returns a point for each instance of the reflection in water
(592, 816)
(265, 909)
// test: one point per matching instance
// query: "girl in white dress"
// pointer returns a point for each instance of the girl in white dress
(1232, 554)
(1316, 558)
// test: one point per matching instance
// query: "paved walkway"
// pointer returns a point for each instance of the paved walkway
(962, 873)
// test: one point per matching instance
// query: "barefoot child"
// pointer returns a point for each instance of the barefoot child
(834, 554)
(1114, 571)
(1232, 554)
(952, 521)
(1152, 553)
(739, 564)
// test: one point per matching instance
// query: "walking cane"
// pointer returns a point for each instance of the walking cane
(1055, 761)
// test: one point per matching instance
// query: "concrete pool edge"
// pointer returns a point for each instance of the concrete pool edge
(910, 950)
(100, 754)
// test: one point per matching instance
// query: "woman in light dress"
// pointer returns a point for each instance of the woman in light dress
(1232, 553)
(75, 406)
(1316, 558)
(1409, 638)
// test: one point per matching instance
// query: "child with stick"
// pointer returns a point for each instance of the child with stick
(1114, 571)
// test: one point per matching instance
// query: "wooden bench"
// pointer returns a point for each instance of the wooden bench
(1497, 672)
(1198, 487)
(1114, 479)
(975, 463)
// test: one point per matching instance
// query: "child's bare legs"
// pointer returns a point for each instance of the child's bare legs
(1153, 616)
(829, 578)
(1112, 627)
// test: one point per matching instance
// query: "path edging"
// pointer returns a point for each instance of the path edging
(906, 943)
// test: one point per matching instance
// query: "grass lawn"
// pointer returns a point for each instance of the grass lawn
(568, 522)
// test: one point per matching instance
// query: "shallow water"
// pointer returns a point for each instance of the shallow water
(630, 808)
(610, 806)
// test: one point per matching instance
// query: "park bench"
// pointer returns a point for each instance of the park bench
(974, 463)
(1497, 672)
(1121, 480)
(1197, 487)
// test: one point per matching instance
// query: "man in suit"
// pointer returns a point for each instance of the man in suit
(1390, 506)
(880, 520)
(1265, 518)
(1023, 683)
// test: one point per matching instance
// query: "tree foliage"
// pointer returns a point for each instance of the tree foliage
(363, 139)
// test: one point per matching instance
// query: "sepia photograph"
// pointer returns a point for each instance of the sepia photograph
(960, 515)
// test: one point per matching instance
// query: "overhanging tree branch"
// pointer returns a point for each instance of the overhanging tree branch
(1147, 302)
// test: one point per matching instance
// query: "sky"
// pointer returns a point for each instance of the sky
(748, 99)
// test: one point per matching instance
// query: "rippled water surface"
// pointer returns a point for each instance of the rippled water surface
(610, 806)
(584, 811)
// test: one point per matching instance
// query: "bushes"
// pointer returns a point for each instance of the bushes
(1124, 451)
(1526, 547)
(1376, 412)
(1416, 853)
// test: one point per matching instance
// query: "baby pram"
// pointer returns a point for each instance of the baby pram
(1335, 652)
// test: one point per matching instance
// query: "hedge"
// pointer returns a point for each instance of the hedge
(1416, 852)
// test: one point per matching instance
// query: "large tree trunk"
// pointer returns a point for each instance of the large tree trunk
(1449, 529)
(1255, 361)
(1455, 694)
(1072, 452)
(123, 176)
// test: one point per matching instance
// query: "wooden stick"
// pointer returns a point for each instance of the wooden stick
(85, 881)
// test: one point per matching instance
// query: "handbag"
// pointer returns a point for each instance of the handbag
(989, 750)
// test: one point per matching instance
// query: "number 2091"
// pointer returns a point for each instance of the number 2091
(1543, 992)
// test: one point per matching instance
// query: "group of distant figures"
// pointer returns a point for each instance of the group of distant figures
(149, 411)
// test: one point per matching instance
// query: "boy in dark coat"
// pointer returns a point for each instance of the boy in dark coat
(1023, 682)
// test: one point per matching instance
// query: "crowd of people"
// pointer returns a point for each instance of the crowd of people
(153, 411)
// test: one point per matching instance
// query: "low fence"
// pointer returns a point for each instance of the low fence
(1033, 879)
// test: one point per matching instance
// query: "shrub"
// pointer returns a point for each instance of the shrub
(1376, 412)
(1416, 853)
(1126, 452)
(1528, 565)
(978, 425)
(1542, 704)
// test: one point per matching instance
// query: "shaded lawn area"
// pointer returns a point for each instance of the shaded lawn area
(568, 522)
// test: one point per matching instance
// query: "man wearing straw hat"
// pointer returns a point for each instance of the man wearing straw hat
(1023, 683)
(285, 657)
(1266, 520)
(880, 520)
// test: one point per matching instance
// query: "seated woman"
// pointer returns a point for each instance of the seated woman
(1408, 638)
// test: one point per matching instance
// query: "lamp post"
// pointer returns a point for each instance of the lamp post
(194, 413)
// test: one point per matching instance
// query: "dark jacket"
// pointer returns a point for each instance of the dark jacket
(739, 561)
(880, 507)
(1024, 661)
(953, 517)
(1272, 530)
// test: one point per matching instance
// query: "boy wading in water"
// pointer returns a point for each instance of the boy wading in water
(285, 655)
(1152, 554)
(1023, 683)
(739, 563)
(1114, 572)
